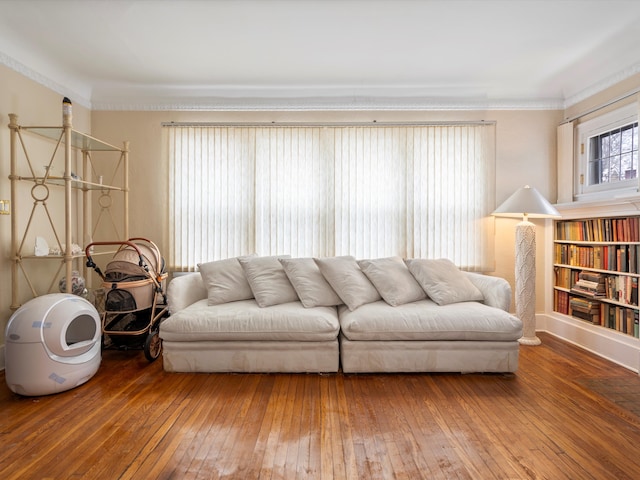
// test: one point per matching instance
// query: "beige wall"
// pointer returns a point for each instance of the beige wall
(526, 143)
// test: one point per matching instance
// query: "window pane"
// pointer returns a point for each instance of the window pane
(602, 151)
(627, 139)
(614, 168)
(613, 156)
(597, 173)
(615, 142)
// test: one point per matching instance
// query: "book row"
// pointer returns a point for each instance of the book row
(620, 258)
(623, 319)
(620, 288)
(600, 230)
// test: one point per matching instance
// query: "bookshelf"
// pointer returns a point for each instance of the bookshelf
(596, 271)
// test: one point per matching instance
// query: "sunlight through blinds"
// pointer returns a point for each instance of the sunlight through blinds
(367, 191)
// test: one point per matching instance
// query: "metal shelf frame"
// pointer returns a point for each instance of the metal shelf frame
(65, 142)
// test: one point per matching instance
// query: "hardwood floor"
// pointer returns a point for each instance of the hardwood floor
(550, 420)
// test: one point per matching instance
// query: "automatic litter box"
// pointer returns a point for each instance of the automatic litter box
(53, 344)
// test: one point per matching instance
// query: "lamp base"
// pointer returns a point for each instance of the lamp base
(529, 340)
(526, 281)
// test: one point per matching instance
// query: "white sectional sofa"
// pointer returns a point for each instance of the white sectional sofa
(280, 314)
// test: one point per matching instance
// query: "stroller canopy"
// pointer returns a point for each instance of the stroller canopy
(125, 265)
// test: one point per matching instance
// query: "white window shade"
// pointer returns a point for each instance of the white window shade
(367, 191)
(293, 191)
(452, 195)
(370, 191)
(211, 194)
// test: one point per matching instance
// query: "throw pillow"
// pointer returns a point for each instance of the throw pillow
(268, 282)
(443, 281)
(308, 282)
(225, 281)
(393, 280)
(348, 281)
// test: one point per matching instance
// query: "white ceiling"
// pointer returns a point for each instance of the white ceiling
(356, 54)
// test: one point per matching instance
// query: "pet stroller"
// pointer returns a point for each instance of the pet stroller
(135, 302)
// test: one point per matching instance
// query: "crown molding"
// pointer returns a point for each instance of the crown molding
(31, 74)
(325, 102)
(596, 88)
(387, 103)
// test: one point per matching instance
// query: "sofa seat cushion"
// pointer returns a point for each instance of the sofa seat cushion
(245, 320)
(425, 320)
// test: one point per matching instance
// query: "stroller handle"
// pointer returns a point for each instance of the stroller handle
(121, 243)
(92, 264)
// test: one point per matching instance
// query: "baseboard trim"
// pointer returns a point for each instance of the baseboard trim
(604, 342)
(1, 357)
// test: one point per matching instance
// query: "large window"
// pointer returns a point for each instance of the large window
(608, 153)
(367, 191)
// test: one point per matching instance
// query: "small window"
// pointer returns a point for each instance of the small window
(608, 152)
(613, 155)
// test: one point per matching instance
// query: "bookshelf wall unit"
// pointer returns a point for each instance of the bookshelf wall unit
(595, 275)
(597, 267)
(43, 161)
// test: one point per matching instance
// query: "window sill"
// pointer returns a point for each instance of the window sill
(615, 203)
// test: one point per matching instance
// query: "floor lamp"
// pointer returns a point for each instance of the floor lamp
(527, 203)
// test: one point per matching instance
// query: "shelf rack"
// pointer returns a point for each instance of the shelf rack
(64, 141)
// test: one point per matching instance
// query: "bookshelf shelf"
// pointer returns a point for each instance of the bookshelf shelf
(587, 243)
(597, 271)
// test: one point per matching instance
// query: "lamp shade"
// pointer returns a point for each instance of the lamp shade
(527, 202)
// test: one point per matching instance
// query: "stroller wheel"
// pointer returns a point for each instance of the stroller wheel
(152, 346)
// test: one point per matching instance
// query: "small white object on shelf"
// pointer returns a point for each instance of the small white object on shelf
(42, 247)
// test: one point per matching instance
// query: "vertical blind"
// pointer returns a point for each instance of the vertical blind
(367, 191)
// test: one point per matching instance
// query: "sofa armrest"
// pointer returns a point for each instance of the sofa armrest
(183, 290)
(496, 290)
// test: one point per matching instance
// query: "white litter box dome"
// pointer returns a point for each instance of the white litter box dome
(52, 344)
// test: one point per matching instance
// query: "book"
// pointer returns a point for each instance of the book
(592, 318)
(585, 309)
(590, 284)
(561, 302)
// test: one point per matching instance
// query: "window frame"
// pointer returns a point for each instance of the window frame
(599, 125)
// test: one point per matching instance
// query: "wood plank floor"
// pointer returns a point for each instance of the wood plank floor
(550, 420)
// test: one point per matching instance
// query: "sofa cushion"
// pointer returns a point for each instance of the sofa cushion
(268, 281)
(225, 281)
(308, 282)
(245, 320)
(443, 281)
(425, 320)
(393, 280)
(348, 281)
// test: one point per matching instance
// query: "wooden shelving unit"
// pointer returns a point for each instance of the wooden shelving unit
(49, 179)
